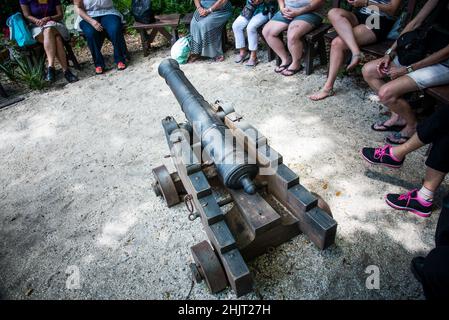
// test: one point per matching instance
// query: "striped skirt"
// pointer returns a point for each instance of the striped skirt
(206, 31)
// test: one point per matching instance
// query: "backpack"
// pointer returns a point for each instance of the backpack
(19, 31)
(142, 11)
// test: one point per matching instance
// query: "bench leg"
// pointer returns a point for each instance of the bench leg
(3, 92)
(175, 35)
(145, 42)
(71, 55)
(322, 50)
(308, 57)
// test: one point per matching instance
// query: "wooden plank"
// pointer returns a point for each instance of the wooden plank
(237, 271)
(440, 93)
(258, 214)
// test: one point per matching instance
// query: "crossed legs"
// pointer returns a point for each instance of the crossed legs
(54, 47)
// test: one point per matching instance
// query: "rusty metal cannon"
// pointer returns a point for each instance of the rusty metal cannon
(248, 200)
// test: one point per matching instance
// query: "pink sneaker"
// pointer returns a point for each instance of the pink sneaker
(411, 202)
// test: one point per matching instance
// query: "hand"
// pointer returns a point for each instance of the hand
(97, 25)
(40, 22)
(203, 12)
(357, 3)
(45, 20)
(290, 13)
(396, 72)
(384, 66)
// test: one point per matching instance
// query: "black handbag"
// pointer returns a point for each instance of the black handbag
(414, 45)
(411, 46)
(142, 12)
(248, 11)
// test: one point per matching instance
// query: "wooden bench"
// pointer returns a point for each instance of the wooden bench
(440, 93)
(159, 26)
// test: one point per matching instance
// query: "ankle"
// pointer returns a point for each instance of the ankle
(396, 154)
(425, 194)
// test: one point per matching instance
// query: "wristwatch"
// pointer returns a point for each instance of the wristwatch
(409, 69)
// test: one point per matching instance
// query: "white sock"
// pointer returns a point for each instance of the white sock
(425, 194)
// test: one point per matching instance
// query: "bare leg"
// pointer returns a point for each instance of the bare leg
(271, 33)
(296, 30)
(344, 22)
(433, 179)
(50, 45)
(376, 81)
(337, 56)
(60, 52)
(390, 95)
(411, 145)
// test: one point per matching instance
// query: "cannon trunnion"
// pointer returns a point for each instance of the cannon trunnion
(247, 207)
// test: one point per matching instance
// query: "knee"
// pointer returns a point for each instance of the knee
(338, 44)
(237, 26)
(293, 37)
(334, 13)
(268, 32)
(387, 95)
(369, 70)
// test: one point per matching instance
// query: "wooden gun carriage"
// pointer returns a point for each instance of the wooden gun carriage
(241, 224)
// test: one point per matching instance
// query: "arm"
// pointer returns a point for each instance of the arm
(81, 11)
(412, 25)
(281, 4)
(27, 14)
(217, 5)
(389, 9)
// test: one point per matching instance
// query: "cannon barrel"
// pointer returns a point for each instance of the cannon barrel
(232, 166)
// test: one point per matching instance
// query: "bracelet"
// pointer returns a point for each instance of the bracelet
(210, 10)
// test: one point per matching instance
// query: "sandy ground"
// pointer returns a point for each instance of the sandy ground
(76, 174)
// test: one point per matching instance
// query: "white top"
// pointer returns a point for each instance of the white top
(98, 8)
(368, 11)
(295, 4)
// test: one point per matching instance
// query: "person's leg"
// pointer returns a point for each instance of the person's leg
(435, 273)
(95, 41)
(253, 36)
(390, 95)
(112, 25)
(238, 27)
(296, 30)
(60, 52)
(271, 33)
(376, 81)
(344, 21)
(50, 45)
(338, 51)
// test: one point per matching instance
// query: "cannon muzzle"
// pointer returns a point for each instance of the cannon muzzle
(232, 166)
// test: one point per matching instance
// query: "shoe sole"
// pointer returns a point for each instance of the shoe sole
(380, 164)
(418, 213)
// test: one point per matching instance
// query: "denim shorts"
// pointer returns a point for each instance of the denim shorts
(310, 17)
(432, 76)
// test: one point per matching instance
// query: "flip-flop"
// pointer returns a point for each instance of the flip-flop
(394, 128)
(293, 72)
(281, 68)
(396, 138)
(252, 63)
(239, 58)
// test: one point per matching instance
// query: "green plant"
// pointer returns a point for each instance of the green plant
(23, 70)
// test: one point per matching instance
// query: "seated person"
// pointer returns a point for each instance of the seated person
(435, 130)
(206, 28)
(45, 18)
(355, 30)
(298, 17)
(432, 271)
(96, 17)
(251, 18)
(431, 71)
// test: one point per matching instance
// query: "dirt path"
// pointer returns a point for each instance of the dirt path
(76, 174)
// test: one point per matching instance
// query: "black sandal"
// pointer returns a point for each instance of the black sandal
(292, 72)
(393, 128)
(281, 68)
(396, 138)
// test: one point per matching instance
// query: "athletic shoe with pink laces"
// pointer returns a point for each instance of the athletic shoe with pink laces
(411, 202)
(383, 156)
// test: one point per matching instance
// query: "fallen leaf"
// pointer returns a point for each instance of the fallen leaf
(338, 193)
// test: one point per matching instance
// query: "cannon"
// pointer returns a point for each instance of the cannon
(228, 175)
